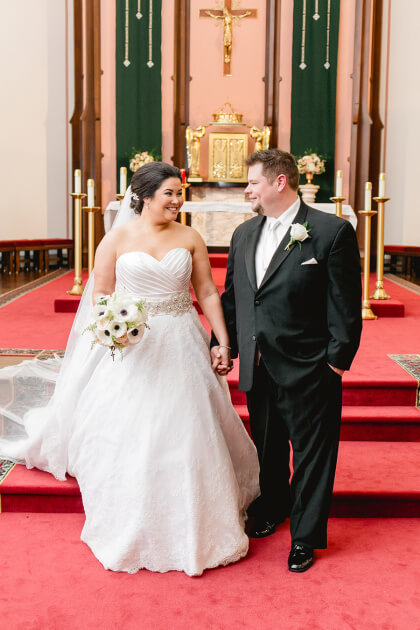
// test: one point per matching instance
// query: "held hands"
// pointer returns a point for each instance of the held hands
(220, 360)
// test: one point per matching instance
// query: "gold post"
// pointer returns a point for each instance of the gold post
(91, 234)
(77, 288)
(338, 205)
(380, 293)
(367, 312)
(183, 215)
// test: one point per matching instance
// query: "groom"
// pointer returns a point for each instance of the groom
(292, 305)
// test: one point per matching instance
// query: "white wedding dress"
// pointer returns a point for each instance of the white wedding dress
(164, 463)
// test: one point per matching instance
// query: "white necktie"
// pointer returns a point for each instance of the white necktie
(270, 244)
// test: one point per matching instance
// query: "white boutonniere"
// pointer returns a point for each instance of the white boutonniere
(298, 234)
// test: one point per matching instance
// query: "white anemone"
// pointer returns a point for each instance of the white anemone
(118, 329)
(104, 337)
(135, 334)
(124, 310)
(99, 311)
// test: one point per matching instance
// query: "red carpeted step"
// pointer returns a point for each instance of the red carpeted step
(377, 424)
(32, 490)
(218, 260)
(373, 479)
(388, 308)
(377, 479)
(382, 423)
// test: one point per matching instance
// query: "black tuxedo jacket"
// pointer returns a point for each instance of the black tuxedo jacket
(301, 316)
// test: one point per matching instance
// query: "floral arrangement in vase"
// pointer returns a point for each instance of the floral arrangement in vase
(140, 158)
(311, 164)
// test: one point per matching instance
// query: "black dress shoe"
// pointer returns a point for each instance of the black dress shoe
(263, 528)
(300, 558)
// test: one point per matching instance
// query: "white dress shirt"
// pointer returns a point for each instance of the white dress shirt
(272, 234)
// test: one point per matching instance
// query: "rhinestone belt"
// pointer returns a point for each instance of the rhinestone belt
(177, 305)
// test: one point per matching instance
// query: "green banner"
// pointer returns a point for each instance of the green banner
(314, 79)
(138, 78)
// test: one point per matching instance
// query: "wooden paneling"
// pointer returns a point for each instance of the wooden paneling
(272, 69)
(181, 79)
(367, 127)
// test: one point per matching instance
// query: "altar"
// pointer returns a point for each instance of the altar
(215, 212)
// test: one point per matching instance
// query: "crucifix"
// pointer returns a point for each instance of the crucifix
(228, 15)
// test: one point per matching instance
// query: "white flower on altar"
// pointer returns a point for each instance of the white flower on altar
(135, 334)
(104, 337)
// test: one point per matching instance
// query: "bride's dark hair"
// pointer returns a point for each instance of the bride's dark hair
(147, 180)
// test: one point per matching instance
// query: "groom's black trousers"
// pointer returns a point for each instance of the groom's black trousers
(309, 415)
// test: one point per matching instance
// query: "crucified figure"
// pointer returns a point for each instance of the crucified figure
(227, 18)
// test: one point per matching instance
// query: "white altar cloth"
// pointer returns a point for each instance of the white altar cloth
(242, 207)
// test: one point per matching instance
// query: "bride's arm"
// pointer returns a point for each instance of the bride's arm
(208, 296)
(105, 258)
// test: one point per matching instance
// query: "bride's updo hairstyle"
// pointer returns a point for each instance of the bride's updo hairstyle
(146, 181)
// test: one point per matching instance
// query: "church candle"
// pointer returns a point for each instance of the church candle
(90, 193)
(368, 196)
(381, 192)
(183, 176)
(339, 184)
(123, 180)
(77, 181)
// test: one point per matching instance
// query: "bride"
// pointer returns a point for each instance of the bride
(165, 467)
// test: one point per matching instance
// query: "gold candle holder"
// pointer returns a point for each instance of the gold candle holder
(183, 215)
(367, 312)
(380, 293)
(77, 288)
(91, 210)
(338, 205)
(120, 197)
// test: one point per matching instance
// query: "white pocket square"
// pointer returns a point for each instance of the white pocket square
(311, 261)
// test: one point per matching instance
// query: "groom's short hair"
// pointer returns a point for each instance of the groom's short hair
(276, 162)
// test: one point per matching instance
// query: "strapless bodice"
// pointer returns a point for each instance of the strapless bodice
(145, 276)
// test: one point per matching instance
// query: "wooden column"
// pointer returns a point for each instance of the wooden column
(86, 118)
(181, 79)
(272, 69)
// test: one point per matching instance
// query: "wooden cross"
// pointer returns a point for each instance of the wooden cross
(227, 14)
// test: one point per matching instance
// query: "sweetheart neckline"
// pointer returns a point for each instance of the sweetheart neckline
(135, 251)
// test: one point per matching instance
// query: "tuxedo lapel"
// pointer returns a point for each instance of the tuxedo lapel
(281, 252)
(250, 247)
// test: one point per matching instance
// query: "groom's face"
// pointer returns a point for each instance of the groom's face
(262, 193)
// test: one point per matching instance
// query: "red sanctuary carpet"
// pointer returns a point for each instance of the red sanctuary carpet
(51, 580)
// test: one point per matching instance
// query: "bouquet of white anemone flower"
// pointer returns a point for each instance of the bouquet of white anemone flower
(140, 158)
(118, 321)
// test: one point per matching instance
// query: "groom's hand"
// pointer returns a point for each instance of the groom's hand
(220, 360)
(336, 370)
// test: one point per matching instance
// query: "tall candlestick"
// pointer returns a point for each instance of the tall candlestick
(90, 193)
(381, 192)
(339, 184)
(123, 180)
(368, 196)
(77, 181)
(183, 176)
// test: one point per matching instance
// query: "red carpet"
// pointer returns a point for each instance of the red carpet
(367, 580)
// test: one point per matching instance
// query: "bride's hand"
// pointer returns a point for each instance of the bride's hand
(221, 361)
